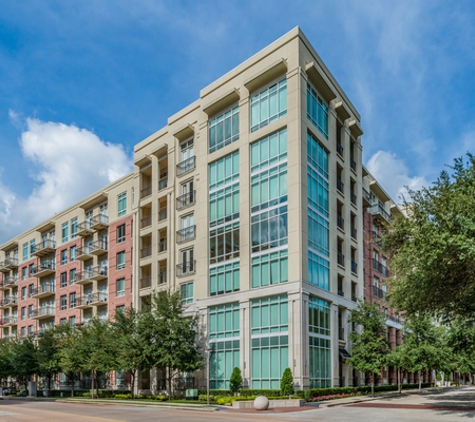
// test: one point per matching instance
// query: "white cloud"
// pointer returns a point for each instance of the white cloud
(66, 164)
(393, 175)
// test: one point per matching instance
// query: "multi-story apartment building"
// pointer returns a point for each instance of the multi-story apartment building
(250, 202)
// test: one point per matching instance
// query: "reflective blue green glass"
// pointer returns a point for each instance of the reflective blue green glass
(269, 105)
(317, 110)
(224, 129)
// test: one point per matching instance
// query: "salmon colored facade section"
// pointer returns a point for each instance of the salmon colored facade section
(117, 246)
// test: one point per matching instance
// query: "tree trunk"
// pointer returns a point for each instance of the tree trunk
(420, 381)
(399, 380)
(132, 383)
(72, 379)
(372, 384)
(92, 380)
(169, 383)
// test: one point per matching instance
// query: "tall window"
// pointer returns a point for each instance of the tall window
(121, 233)
(120, 290)
(24, 273)
(269, 225)
(319, 343)
(317, 110)
(63, 303)
(64, 232)
(187, 154)
(32, 247)
(72, 253)
(72, 276)
(64, 256)
(269, 341)
(224, 129)
(269, 105)
(122, 204)
(121, 260)
(318, 210)
(23, 313)
(72, 300)
(23, 293)
(186, 291)
(224, 237)
(63, 279)
(74, 227)
(25, 251)
(224, 339)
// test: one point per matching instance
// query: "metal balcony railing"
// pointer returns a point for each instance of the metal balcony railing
(146, 222)
(9, 300)
(381, 268)
(44, 311)
(341, 293)
(45, 245)
(162, 246)
(186, 200)
(44, 288)
(352, 164)
(144, 252)
(379, 293)
(354, 267)
(185, 166)
(162, 214)
(339, 185)
(146, 192)
(99, 245)
(183, 235)
(186, 268)
(353, 198)
(340, 222)
(354, 298)
(145, 282)
(162, 183)
(354, 233)
(162, 277)
(379, 210)
(339, 148)
(341, 259)
(99, 221)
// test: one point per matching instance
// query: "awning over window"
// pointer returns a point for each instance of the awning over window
(344, 354)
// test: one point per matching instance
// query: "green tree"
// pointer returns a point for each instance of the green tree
(48, 356)
(370, 348)
(69, 352)
(130, 344)
(24, 360)
(170, 336)
(421, 345)
(287, 383)
(235, 382)
(6, 369)
(433, 250)
(98, 350)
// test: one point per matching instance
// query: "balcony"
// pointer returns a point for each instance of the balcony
(352, 164)
(146, 252)
(381, 268)
(83, 277)
(145, 282)
(98, 298)
(45, 268)
(9, 302)
(186, 268)
(44, 312)
(341, 259)
(10, 281)
(162, 246)
(84, 253)
(45, 247)
(100, 222)
(162, 277)
(339, 149)
(379, 293)
(162, 183)
(99, 247)
(339, 185)
(9, 321)
(184, 235)
(99, 273)
(185, 166)
(44, 290)
(340, 222)
(367, 198)
(146, 222)
(354, 233)
(146, 192)
(353, 198)
(186, 200)
(354, 267)
(379, 212)
(162, 214)
(84, 302)
(85, 228)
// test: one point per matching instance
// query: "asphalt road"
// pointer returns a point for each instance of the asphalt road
(444, 405)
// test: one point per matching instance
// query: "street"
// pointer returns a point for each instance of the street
(444, 405)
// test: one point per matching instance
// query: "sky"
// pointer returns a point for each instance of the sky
(82, 82)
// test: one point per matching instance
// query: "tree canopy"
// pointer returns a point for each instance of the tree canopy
(433, 250)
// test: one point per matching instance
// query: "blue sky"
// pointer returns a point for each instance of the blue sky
(82, 82)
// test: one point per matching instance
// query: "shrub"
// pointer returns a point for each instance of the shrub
(235, 382)
(123, 396)
(287, 383)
